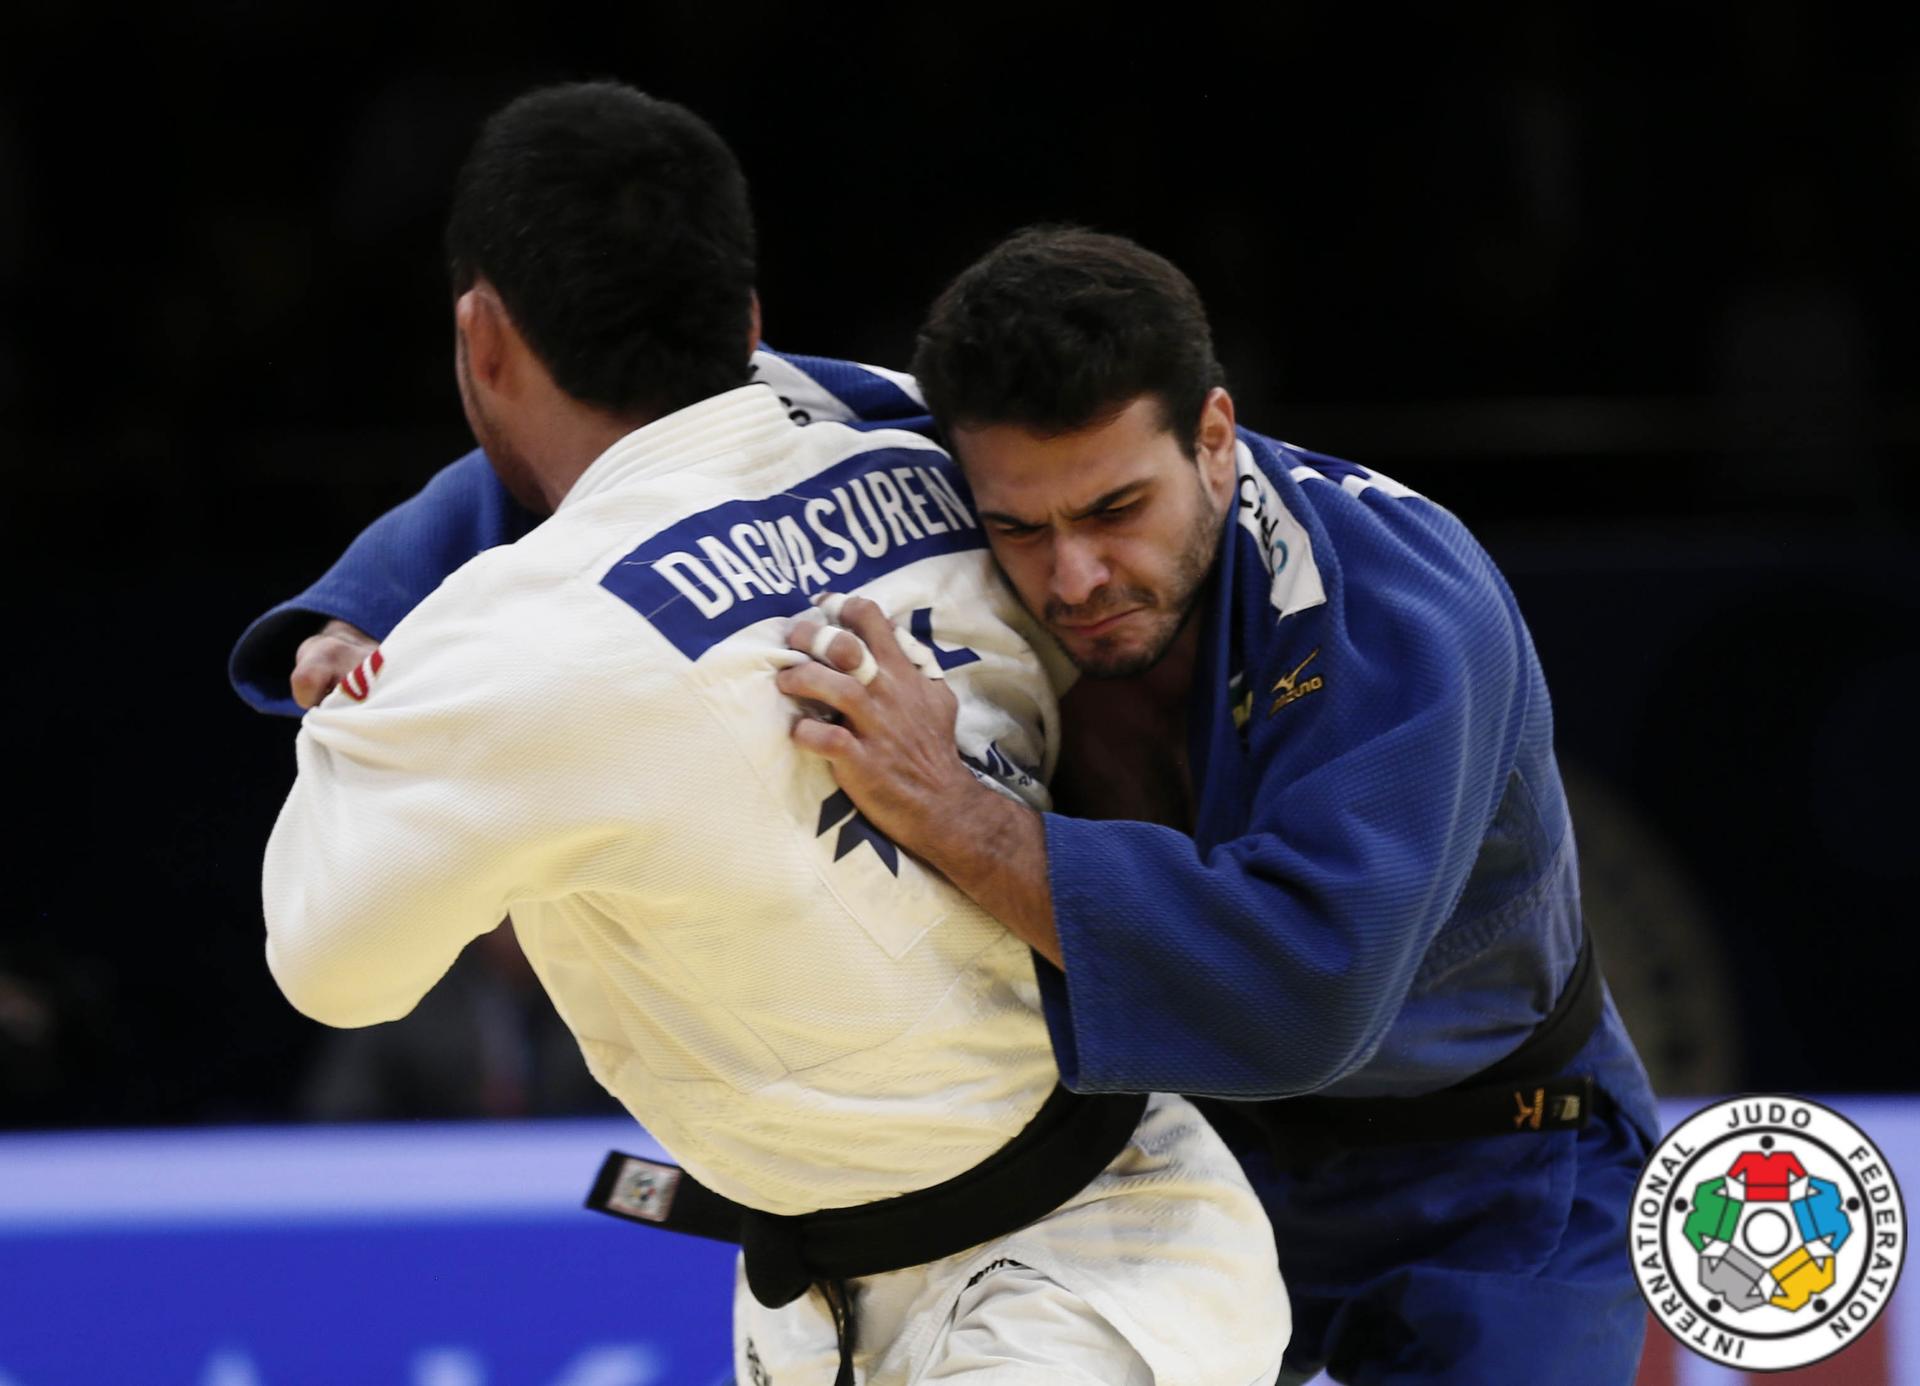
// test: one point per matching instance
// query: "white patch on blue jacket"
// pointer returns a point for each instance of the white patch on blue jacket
(1286, 550)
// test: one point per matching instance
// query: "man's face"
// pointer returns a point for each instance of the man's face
(1107, 534)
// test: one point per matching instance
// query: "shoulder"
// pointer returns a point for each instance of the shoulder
(1371, 535)
(817, 388)
(1351, 503)
(522, 632)
(469, 472)
(830, 442)
(1379, 584)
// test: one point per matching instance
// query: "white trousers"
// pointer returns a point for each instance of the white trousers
(1161, 1272)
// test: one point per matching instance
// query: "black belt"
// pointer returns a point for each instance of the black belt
(1069, 1141)
(1522, 1093)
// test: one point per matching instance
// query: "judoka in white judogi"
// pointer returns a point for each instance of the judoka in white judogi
(581, 729)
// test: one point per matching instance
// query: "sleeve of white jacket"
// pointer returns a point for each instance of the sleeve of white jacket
(474, 774)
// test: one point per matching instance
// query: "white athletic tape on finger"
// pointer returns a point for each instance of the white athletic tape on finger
(864, 672)
(831, 604)
(922, 657)
(823, 641)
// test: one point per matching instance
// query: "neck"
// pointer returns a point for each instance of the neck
(570, 441)
(1170, 679)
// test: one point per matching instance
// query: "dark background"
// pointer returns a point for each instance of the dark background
(1634, 296)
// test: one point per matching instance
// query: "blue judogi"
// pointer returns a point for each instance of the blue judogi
(1380, 898)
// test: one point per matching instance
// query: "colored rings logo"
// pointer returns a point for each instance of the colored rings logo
(1767, 1232)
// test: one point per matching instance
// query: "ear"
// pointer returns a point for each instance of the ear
(480, 319)
(1216, 445)
(753, 325)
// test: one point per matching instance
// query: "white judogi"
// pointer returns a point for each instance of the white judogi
(582, 729)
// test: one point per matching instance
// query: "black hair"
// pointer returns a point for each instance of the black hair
(1057, 328)
(616, 229)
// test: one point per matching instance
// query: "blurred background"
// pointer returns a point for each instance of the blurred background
(1634, 296)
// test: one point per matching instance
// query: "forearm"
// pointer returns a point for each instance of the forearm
(384, 574)
(995, 850)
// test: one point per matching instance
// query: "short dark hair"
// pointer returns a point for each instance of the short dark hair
(1058, 327)
(617, 231)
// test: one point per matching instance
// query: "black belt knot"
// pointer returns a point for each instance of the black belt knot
(776, 1258)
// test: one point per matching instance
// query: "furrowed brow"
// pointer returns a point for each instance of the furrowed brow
(1000, 517)
(1099, 503)
(1092, 507)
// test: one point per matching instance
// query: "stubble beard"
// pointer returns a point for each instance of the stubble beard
(1175, 608)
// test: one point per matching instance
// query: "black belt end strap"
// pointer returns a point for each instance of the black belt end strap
(657, 1194)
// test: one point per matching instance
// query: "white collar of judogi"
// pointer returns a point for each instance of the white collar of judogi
(726, 431)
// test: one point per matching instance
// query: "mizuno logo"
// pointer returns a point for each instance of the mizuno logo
(1291, 689)
(1529, 1113)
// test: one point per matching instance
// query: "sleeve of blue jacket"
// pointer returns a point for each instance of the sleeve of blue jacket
(406, 553)
(1272, 960)
(386, 572)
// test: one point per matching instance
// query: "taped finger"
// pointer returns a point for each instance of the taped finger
(863, 668)
(918, 654)
(823, 642)
(868, 669)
